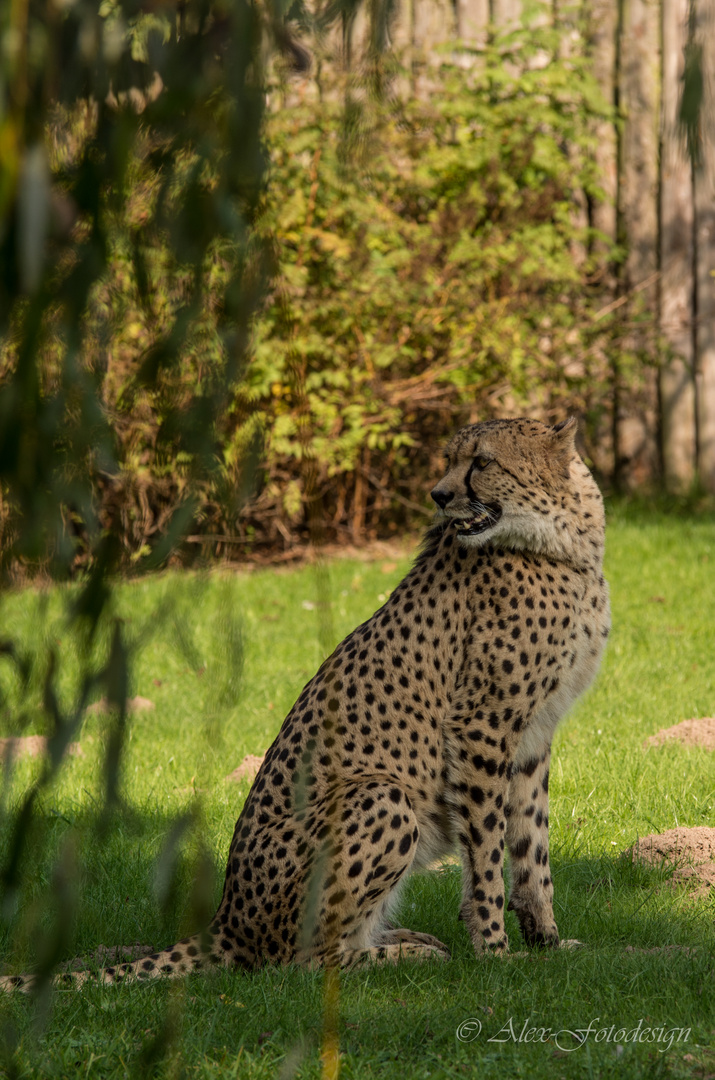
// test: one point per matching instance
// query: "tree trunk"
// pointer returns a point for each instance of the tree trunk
(601, 46)
(677, 384)
(472, 29)
(472, 22)
(639, 81)
(635, 412)
(432, 26)
(432, 23)
(505, 14)
(705, 250)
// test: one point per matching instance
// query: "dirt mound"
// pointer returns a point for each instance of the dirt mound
(697, 732)
(32, 746)
(134, 704)
(690, 851)
(247, 769)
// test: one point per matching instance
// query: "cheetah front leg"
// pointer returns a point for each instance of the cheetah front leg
(482, 849)
(527, 838)
(477, 792)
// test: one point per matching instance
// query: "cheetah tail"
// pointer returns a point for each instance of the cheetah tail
(187, 955)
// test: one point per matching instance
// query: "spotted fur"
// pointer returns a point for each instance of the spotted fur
(430, 726)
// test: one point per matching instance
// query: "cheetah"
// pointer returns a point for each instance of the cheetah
(429, 727)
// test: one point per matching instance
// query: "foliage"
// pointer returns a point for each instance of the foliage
(429, 265)
(99, 105)
(431, 269)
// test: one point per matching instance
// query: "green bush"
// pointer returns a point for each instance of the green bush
(431, 271)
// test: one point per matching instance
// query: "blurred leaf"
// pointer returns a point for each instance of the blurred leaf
(691, 99)
(34, 216)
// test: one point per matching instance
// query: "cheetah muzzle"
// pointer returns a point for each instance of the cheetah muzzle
(428, 728)
(485, 517)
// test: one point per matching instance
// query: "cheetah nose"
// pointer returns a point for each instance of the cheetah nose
(441, 497)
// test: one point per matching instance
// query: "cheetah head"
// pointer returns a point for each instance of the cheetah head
(515, 483)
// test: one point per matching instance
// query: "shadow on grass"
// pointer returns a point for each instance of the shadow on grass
(134, 881)
(393, 1021)
(140, 877)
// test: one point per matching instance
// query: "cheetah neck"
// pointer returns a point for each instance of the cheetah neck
(578, 552)
(572, 533)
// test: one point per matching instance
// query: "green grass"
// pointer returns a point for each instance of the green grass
(190, 633)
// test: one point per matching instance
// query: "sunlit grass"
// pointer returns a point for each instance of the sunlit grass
(222, 658)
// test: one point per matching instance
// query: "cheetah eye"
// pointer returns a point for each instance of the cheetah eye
(481, 461)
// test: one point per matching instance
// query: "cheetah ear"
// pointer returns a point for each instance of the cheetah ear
(563, 443)
(564, 434)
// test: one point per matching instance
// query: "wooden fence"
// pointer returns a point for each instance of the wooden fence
(655, 63)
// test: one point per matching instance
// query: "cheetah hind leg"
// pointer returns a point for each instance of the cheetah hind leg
(396, 944)
(398, 936)
(375, 843)
(395, 952)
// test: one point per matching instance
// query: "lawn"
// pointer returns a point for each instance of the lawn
(222, 657)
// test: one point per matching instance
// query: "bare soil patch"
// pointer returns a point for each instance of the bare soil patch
(32, 746)
(247, 769)
(391, 551)
(700, 731)
(134, 704)
(690, 851)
